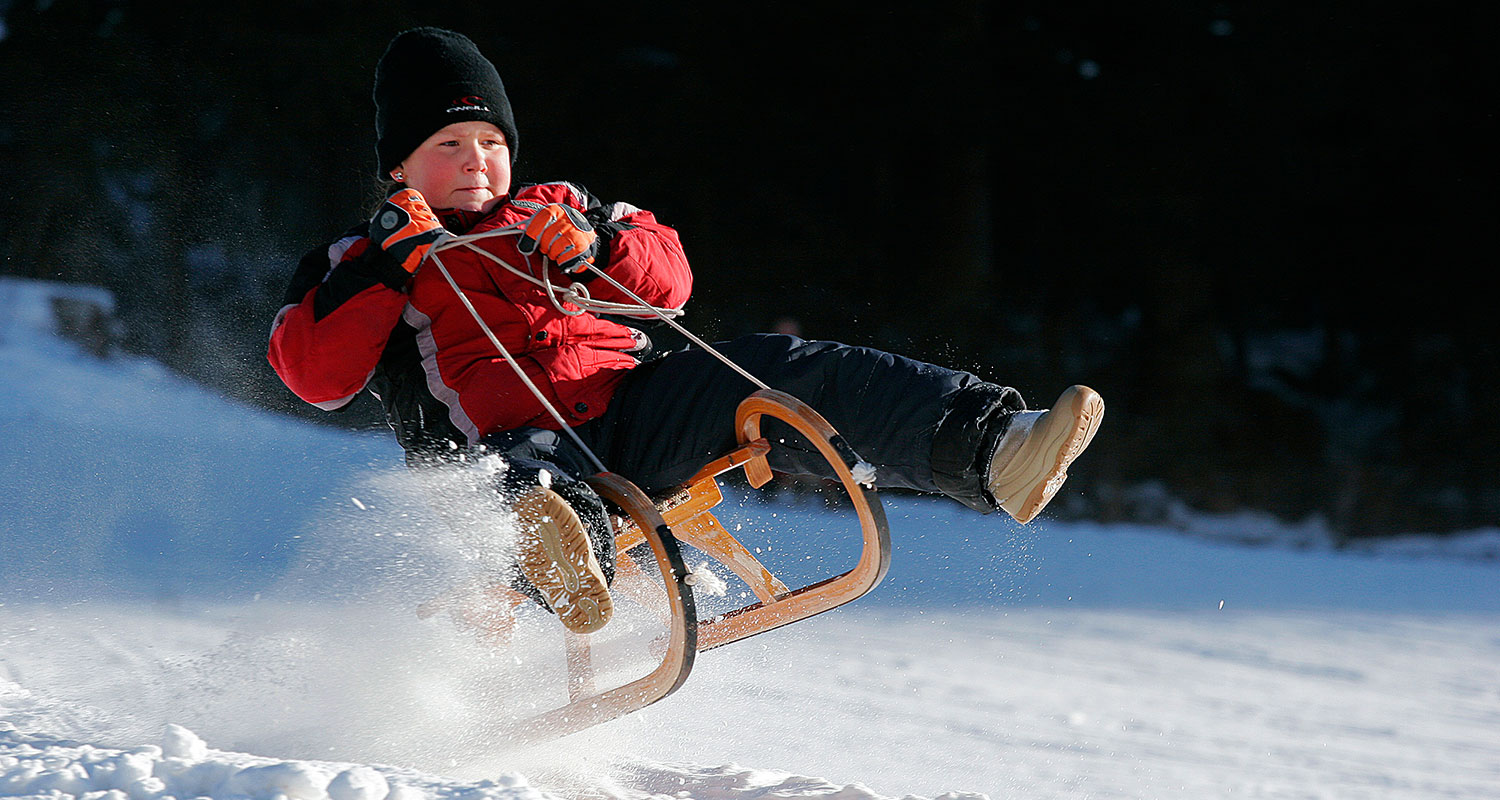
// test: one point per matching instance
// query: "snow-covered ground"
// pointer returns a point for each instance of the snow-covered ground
(198, 599)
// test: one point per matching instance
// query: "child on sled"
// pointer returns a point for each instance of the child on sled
(508, 348)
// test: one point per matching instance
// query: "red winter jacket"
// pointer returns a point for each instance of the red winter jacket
(353, 318)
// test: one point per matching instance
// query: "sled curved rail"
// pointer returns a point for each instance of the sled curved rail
(587, 708)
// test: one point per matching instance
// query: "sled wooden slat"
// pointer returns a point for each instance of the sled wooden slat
(706, 533)
(747, 451)
(686, 512)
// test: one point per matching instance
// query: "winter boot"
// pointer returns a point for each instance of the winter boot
(1031, 461)
(555, 555)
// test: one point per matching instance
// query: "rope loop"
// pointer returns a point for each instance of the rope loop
(559, 296)
(578, 295)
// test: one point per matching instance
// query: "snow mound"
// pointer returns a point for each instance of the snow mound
(183, 766)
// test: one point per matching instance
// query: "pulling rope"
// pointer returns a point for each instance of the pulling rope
(577, 295)
(514, 365)
(684, 331)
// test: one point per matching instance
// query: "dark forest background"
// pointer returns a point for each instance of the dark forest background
(1259, 229)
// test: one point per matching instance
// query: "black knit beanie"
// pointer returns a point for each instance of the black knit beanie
(430, 78)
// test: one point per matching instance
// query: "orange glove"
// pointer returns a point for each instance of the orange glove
(406, 228)
(563, 235)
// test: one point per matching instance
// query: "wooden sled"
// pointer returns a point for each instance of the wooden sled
(686, 515)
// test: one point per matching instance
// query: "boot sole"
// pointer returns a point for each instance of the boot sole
(1059, 437)
(559, 561)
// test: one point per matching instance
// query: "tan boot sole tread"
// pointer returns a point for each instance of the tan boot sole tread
(1041, 465)
(555, 554)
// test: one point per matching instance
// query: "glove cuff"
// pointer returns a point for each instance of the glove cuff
(604, 250)
(383, 267)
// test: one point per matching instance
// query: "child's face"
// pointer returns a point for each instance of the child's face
(465, 166)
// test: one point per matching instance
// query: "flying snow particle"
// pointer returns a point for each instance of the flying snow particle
(704, 580)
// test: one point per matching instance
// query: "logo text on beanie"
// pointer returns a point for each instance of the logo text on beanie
(471, 102)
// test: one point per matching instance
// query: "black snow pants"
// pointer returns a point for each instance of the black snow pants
(922, 426)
